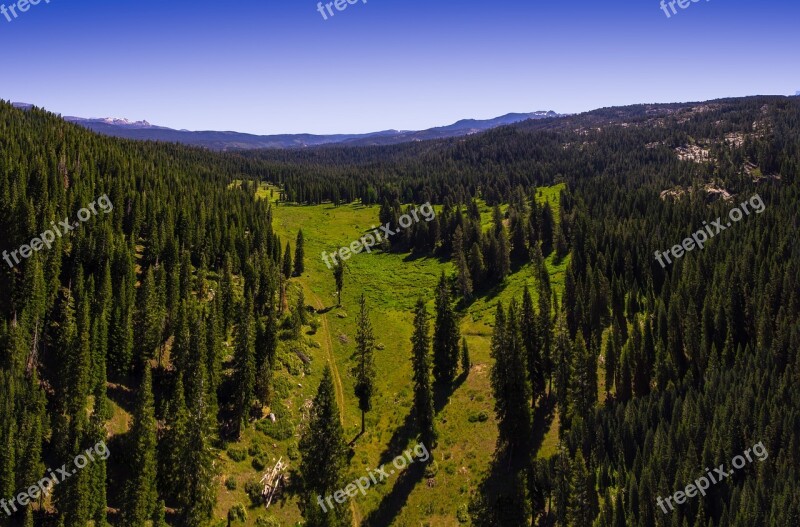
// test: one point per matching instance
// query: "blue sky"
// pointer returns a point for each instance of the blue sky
(276, 66)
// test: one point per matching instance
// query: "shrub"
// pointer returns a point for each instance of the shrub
(432, 469)
(462, 513)
(259, 462)
(253, 490)
(268, 521)
(237, 513)
(479, 417)
(237, 454)
(282, 428)
(230, 483)
(293, 452)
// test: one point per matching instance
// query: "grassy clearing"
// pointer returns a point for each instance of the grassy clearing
(391, 284)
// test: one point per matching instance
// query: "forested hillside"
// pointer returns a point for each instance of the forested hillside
(172, 323)
(119, 325)
(699, 359)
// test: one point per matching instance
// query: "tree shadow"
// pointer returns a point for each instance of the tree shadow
(399, 440)
(543, 416)
(393, 503)
(122, 395)
(356, 438)
(442, 393)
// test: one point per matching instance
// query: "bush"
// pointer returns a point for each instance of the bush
(293, 452)
(282, 428)
(462, 513)
(432, 469)
(268, 521)
(253, 490)
(259, 462)
(237, 513)
(479, 417)
(237, 454)
(255, 450)
(281, 388)
(230, 483)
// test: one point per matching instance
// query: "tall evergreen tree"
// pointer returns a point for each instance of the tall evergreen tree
(244, 367)
(532, 343)
(338, 278)
(421, 364)
(324, 462)
(287, 261)
(299, 254)
(140, 494)
(364, 370)
(510, 384)
(460, 261)
(446, 336)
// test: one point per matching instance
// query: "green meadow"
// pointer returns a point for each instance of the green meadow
(391, 284)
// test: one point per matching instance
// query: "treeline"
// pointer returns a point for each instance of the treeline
(535, 153)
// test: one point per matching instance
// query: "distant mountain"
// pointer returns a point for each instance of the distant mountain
(214, 140)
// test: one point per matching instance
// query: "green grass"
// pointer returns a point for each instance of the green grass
(391, 284)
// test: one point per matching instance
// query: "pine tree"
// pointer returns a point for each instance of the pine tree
(301, 308)
(446, 336)
(226, 297)
(299, 254)
(544, 323)
(196, 493)
(421, 364)
(244, 367)
(477, 269)
(140, 495)
(287, 261)
(460, 261)
(509, 383)
(582, 506)
(364, 371)
(583, 380)
(532, 343)
(148, 317)
(338, 278)
(562, 363)
(502, 256)
(324, 460)
(170, 446)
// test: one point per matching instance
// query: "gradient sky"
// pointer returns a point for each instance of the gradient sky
(275, 66)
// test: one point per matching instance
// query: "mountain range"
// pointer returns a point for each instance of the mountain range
(217, 140)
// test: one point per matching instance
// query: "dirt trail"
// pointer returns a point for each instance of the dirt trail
(337, 380)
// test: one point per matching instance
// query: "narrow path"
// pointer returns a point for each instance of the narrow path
(328, 345)
(337, 380)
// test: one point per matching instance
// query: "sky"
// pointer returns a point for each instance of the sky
(278, 66)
